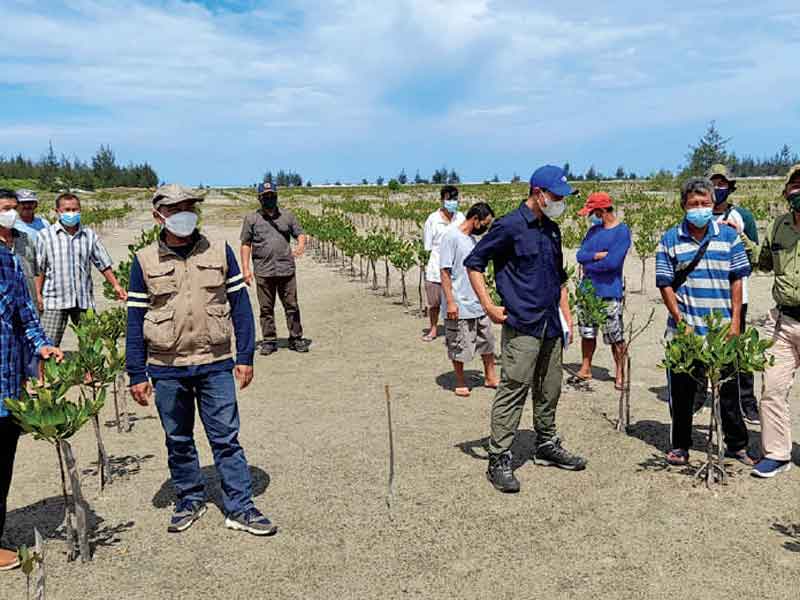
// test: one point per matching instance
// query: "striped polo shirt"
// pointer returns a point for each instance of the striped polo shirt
(708, 287)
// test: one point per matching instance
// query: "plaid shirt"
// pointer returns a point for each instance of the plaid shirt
(19, 323)
(65, 260)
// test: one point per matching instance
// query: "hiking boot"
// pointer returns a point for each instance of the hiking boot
(185, 515)
(8, 560)
(299, 345)
(251, 521)
(552, 454)
(500, 473)
(268, 348)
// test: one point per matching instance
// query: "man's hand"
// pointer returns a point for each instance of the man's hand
(40, 303)
(600, 255)
(244, 375)
(570, 329)
(122, 295)
(141, 392)
(48, 352)
(298, 251)
(452, 311)
(497, 314)
(248, 277)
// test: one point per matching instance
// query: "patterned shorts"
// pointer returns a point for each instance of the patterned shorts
(54, 322)
(613, 328)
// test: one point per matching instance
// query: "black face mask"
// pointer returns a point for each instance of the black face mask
(794, 201)
(480, 230)
(269, 202)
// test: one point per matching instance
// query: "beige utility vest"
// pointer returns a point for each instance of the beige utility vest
(189, 319)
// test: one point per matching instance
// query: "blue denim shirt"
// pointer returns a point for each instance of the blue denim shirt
(529, 270)
(19, 324)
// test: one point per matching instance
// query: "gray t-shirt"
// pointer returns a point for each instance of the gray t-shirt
(454, 248)
(269, 236)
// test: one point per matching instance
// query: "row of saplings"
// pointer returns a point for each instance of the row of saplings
(69, 395)
(721, 355)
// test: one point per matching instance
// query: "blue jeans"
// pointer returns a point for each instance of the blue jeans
(215, 395)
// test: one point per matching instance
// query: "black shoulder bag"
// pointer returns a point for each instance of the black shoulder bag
(682, 275)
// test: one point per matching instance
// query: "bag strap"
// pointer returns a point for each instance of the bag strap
(275, 227)
(682, 275)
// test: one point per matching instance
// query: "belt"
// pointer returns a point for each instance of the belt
(793, 312)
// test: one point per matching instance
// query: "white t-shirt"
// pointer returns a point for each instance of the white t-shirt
(455, 247)
(432, 233)
(734, 218)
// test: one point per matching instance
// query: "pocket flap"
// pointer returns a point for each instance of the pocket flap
(161, 270)
(218, 310)
(160, 316)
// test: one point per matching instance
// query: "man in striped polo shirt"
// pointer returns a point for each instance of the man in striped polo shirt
(65, 253)
(715, 284)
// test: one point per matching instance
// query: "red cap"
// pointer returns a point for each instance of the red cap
(594, 201)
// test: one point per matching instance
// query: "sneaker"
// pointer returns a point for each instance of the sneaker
(678, 457)
(8, 560)
(268, 348)
(251, 521)
(750, 414)
(742, 456)
(299, 345)
(768, 467)
(185, 515)
(552, 454)
(500, 473)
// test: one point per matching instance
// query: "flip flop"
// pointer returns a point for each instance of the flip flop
(619, 387)
(578, 379)
(462, 392)
(491, 386)
(428, 337)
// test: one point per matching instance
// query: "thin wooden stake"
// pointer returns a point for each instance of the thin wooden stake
(39, 573)
(390, 483)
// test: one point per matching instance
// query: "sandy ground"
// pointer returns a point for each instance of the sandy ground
(314, 429)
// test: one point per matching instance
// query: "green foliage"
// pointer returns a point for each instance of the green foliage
(394, 185)
(99, 354)
(718, 351)
(47, 413)
(592, 310)
(123, 270)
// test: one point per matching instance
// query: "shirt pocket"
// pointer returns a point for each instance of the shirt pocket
(161, 280)
(219, 324)
(210, 275)
(781, 258)
(527, 250)
(159, 329)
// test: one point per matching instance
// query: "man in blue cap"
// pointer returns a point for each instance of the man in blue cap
(525, 246)
(266, 240)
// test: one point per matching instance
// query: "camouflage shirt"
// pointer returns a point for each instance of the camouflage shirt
(780, 253)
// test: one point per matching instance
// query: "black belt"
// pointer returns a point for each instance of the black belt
(792, 312)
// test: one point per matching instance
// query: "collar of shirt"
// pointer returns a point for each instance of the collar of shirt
(683, 230)
(530, 216)
(164, 250)
(59, 227)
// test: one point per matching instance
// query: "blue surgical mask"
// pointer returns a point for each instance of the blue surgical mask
(451, 206)
(721, 195)
(71, 219)
(699, 217)
(595, 220)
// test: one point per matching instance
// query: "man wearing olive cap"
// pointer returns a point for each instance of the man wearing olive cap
(780, 253)
(186, 299)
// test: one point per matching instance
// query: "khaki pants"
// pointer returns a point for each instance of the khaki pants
(776, 416)
(285, 288)
(528, 363)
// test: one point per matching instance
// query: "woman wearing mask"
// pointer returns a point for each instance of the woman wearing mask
(435, 227)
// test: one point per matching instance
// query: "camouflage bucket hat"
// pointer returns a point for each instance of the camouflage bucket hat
(720, 170)
(794, 173)
(173, 193)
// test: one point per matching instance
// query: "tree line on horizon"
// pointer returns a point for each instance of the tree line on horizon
(54, 173)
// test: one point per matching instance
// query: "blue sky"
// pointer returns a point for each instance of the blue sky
(217, 92)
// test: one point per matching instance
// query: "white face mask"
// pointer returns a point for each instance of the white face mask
(554, 209)
(8, 218)
(181, 224)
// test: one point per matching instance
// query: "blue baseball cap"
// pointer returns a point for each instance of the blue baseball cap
(267, 187)
(553, 179)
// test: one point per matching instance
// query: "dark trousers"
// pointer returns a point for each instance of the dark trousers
(682, 388)
(286, 289)
(747, 395)
(9, 435)
(214, 395)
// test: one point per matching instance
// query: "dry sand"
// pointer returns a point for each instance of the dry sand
(314, 430)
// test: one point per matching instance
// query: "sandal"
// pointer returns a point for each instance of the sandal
(428, 337)
(742, 456)
(492, 385)
(462, 392)
(678, 457)
(619, 386)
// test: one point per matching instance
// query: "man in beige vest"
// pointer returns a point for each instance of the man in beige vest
(186, 299)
